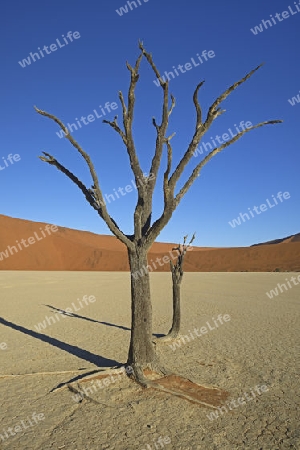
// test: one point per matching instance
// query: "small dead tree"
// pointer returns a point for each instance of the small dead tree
(141, 352)
(177, 275)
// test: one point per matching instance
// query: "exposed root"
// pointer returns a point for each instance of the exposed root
(153, 369)
(161, 369)
(138, 375)
(82, 394)
(158, 387)
(91, 375)
(176, 385)
(152, 375)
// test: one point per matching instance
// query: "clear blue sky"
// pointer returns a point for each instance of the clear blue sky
(77, 78)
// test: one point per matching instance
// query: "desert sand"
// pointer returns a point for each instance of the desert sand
(258, 346)
(68, 249)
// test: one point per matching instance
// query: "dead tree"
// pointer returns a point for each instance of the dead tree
(142, 352)
(177, 275)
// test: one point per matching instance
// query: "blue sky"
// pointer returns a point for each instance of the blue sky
(78, 77)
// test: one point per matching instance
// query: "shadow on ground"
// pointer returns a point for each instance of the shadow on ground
(65, 313)
(77, 316)
(99, 361)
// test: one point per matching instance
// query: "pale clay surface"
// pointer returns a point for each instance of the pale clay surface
(259, 345)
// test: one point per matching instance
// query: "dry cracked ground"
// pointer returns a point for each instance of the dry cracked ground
(53, 396)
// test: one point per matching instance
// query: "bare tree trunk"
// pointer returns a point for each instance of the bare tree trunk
(174, 331)
(177, 275)
(141, 350)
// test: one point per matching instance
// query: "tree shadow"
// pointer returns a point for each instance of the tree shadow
(72, 380)
(65, 313)
(99, 361)
(159, 335)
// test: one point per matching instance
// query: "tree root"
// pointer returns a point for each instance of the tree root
(164, 382)
(159, 387)
(117, 370)
(79, 392)
(139, 376)
(161, 369)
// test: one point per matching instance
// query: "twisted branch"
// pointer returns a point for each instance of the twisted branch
(94, 197)
(201, 128)
(116, 127)
(198, 168)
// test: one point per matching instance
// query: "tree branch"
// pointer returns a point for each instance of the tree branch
(155, 125)
(77, 146)
(97, 194)
(168, 169)
(160, 223)
(160, 140)
(162, 128)
(172, 105)
(124, 109)
(214, 111)
(116, 127)
(199, 132)
(127, 137)
(88, 193)
(141, 216)
(200, 129)
(197, 105)
(198, 168)
(148, 56)
(128, 120)
(177, 268)
(97, 203)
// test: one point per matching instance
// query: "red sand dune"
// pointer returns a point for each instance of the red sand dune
(68, 249)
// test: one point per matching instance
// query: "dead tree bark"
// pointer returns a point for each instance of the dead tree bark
(177, 275)
(141, 351)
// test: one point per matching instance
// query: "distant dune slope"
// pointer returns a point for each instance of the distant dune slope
(68, 249)
(292, 238)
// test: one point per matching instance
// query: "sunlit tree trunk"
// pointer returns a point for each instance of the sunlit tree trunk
(141, 349)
